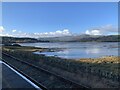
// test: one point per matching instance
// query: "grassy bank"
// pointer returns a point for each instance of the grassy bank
(29, 49)
(86, 71)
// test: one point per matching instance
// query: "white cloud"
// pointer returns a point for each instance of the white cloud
(5, 34)
(59, 32)
(1, 29)
(103, 30)
(109, 28)
(64, 32)
(87, 32)
(14, 31)
(93, 32)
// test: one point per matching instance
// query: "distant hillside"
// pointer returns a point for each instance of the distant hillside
(84, 38)
(78, 38)
(5, 40)
(110, 38)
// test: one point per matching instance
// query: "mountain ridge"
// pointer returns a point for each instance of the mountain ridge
(77, 38)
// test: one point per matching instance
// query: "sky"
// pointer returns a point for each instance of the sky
(44, 19)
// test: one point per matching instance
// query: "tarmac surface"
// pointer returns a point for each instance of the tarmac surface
(13, 79)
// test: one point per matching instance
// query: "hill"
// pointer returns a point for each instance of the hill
(6, 40)
(77, 38)
(84, 38)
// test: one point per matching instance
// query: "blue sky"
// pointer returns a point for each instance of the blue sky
(69, 17)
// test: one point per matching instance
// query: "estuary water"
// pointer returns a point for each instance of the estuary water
(76, 50)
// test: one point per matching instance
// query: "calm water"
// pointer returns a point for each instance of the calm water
(77, 50)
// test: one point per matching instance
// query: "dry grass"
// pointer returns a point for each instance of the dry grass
(107, 59)
(23, 48)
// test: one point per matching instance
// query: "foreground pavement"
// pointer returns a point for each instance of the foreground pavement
(13, 79)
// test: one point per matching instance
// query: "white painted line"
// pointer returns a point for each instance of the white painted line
(23, 76)
(0, 61)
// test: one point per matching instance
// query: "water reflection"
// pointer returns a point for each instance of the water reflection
(64, 52)
(79, 50)
(92, 50)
